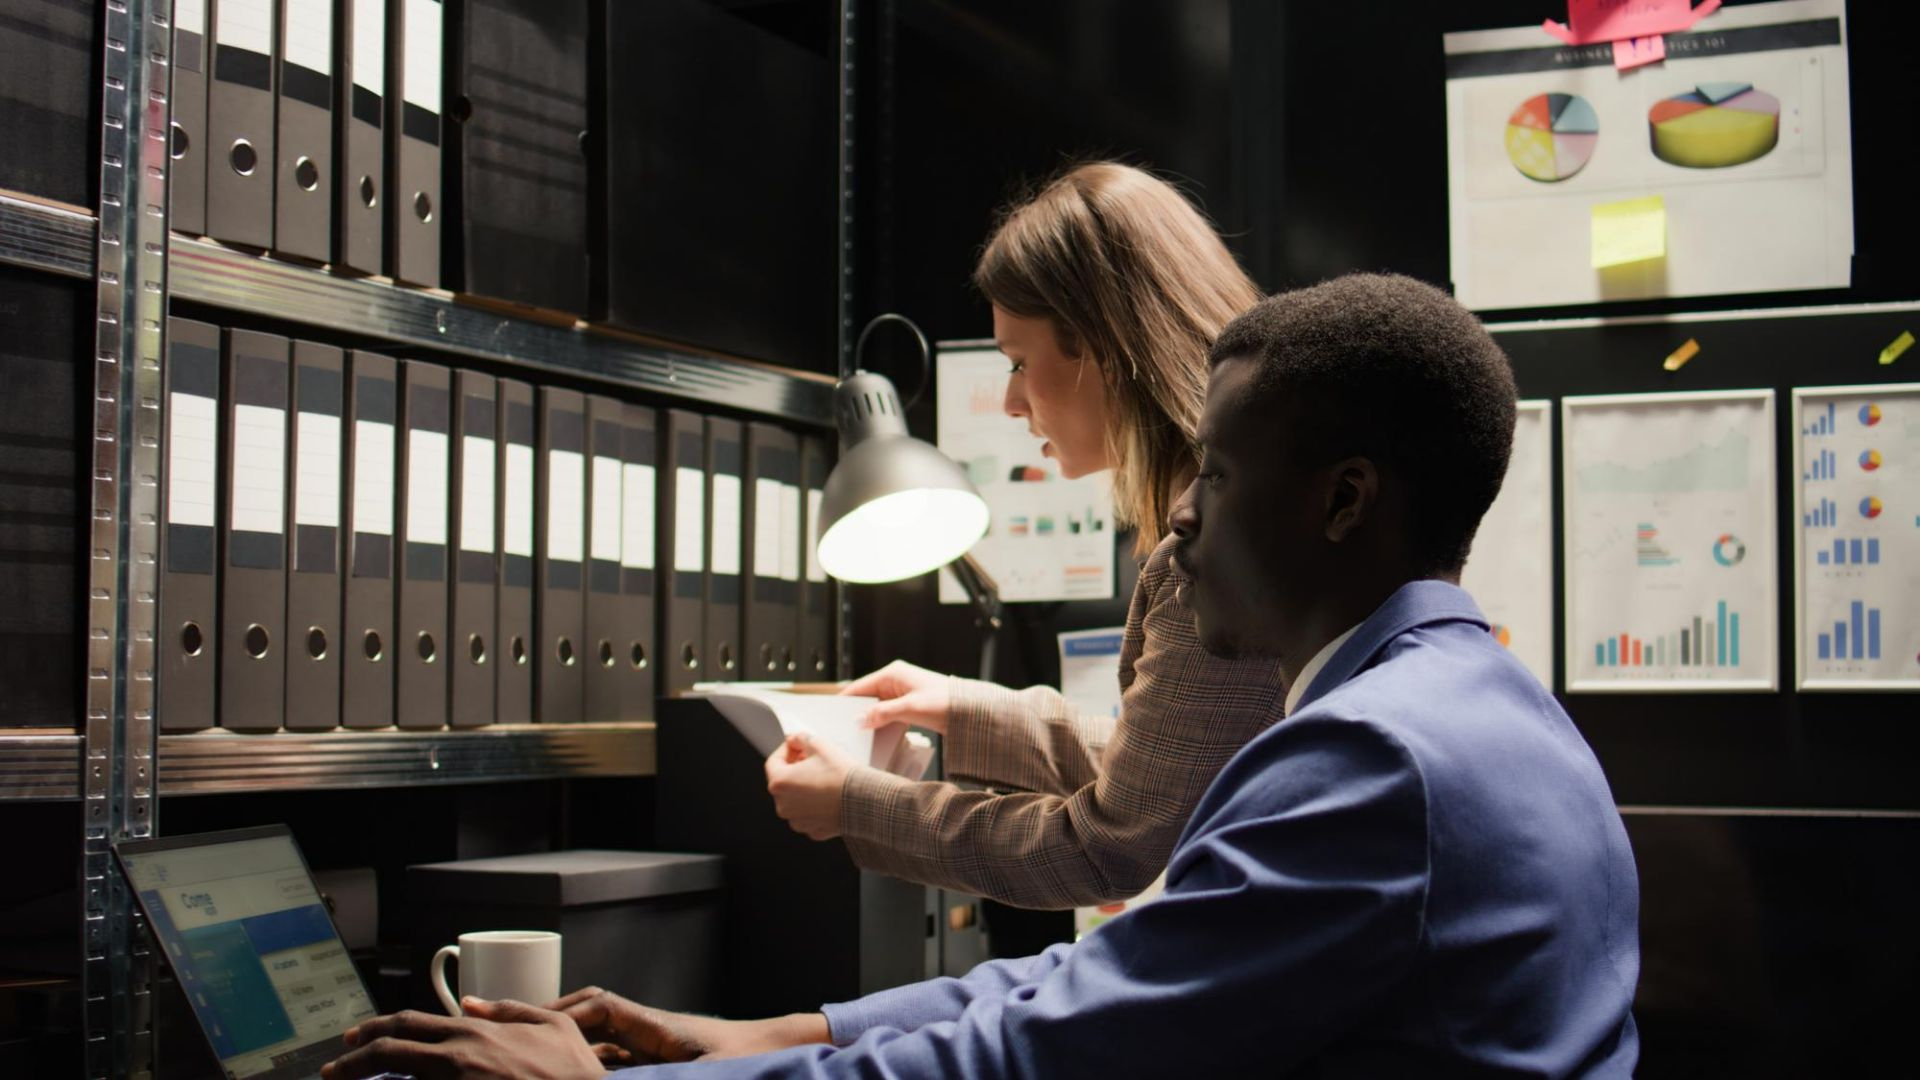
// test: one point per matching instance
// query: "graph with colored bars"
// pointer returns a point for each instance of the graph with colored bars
(1710, 641)
(1853, 638)
(1851, 552)
(1647, 548)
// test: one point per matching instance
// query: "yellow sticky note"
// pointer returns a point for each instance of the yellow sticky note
(1900, 344)
(1631, 231)
(1678, 358)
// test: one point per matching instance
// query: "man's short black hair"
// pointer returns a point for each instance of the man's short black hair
(1392, 369)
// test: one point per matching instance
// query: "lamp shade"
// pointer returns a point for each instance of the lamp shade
(894, 507)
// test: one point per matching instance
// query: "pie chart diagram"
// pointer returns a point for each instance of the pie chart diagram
(1551, 136)
(1715, 125)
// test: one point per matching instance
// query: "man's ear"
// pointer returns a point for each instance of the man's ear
(1353, 490)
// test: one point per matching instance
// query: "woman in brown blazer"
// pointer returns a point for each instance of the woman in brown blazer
(1107, 287)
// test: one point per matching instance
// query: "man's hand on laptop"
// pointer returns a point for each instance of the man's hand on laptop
(638, 1035)
(515, 1041)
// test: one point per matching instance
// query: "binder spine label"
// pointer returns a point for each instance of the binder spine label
(518, 539)
(317, 491)
(369, 59)
(766, 527)
(607, 520)
(258, 507)
(426, 487)
(245, 24)
(373, 478)
(308, 37)
(420, 86)
(193, 459)
(726, 524)
(637, 517)
(190, 16)
(689, 526)
(814, 572)
(789, 569)
(566, 506)
(476, 495)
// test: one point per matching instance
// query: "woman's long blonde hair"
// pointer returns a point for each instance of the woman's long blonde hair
(1133, 277)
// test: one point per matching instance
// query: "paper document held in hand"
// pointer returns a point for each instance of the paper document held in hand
(765, 717)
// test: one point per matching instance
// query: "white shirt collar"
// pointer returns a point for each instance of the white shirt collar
(1319, 661)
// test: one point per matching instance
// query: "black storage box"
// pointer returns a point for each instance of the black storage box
(643, 924)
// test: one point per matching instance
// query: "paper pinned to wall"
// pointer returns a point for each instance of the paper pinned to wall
(1510, 570)
(1629, 231)
(1090, 670)
(1590, 21)
(1051, 538)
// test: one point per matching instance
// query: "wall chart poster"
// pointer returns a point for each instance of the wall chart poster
(1050, 538)
(1857, 519)
(1744, 131)
(1510, 571)
(1669, 538)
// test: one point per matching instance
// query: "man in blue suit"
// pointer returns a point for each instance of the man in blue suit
(1420, 872)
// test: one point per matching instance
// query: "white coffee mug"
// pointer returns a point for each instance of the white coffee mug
(520, 964)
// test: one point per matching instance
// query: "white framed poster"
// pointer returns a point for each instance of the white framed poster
(1856, 510)
(1510, 571)
(1050, 538)
(1668, 532)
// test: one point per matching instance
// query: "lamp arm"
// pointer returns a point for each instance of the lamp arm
(984, 593)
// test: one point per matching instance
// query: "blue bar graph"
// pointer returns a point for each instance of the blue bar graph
(1826, 646)
(1849, 551)
(1822, 425)
(1826, 514)
(1824, 467)
(1857, 637)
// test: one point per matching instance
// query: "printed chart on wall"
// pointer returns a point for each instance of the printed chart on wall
(1510, 572)
(1857, 563)
(1051, 538)
(1743, 134)
(1669, 538)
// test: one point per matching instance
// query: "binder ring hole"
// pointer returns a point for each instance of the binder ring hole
(564, 650)
(178, 144)
(606, 653)
(306, 174)
(766, 658)
(192, 640)
(518, 648)
(819, 663)
(371, 645)
(242, 157)
(689, 658)
(476, 649)
(316, 643)
(462, 110)
(422, 207)
(369, 194)
(726, 657)
(425, 647)
(637, 656)
(257, 641)
(787, 661)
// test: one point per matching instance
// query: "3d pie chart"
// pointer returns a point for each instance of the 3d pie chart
(1715, 125)
(1551, 136)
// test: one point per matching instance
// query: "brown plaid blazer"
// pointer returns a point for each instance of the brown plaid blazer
(1084, 810)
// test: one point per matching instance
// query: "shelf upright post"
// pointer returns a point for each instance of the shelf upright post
(843, 326)
(117, 766)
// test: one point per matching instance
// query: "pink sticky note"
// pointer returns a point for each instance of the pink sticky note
(1589, 21)
(1633, 52)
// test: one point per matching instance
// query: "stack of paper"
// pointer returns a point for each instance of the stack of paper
(765, 717)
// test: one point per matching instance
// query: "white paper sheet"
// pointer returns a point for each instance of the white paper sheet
(1510, 572)
(1669, 538)
(1090, 670)
(1857, 559)
(193, 459)
(259, 495)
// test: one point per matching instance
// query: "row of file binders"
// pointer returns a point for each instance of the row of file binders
(353, 540)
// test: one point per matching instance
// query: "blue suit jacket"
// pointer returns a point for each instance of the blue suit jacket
(1419, 873)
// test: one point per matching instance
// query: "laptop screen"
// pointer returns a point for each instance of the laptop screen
(253, 947)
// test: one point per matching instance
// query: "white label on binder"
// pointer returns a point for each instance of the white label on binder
(606, 508)
(766, 527)
(193, 459)
(726, 523)
(566, 505)
(259, 469)
(421, 80)
(814, 573)
(790, 532)
(519, 538)
(316, 493)
(689, 531)
(370, 44)
(476, 494)
(190, 15)
(426, 486)
(308, 34)
(636, 513)
(245, 24)
(373, 477)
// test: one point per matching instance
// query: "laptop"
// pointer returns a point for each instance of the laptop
(253, 946)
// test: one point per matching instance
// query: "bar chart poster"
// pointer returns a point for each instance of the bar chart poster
(1668, 534)
(1510, 570)
(1857, 530)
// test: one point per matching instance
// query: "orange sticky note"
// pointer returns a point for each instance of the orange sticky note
(1900, 344)
(1634, 52)
(1630, 231)
(1678, 358)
